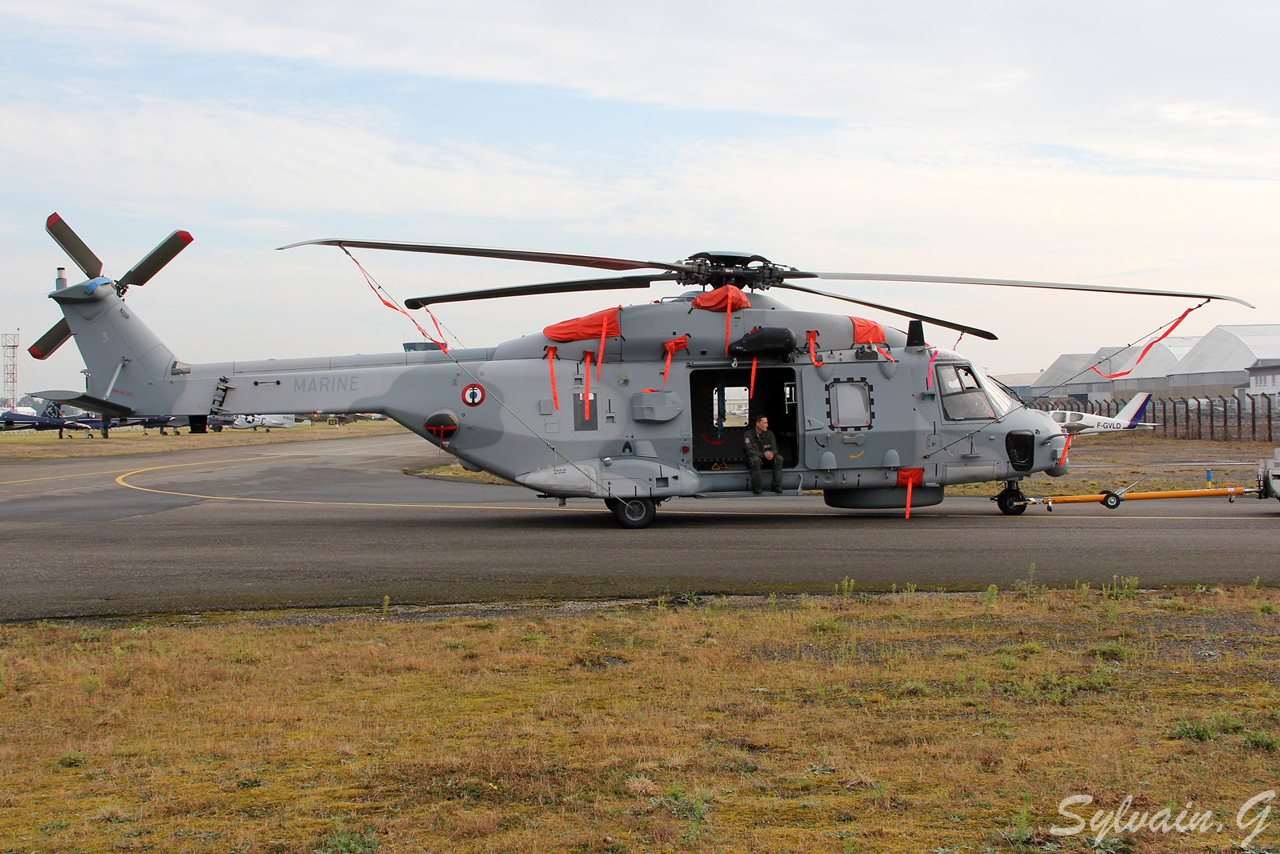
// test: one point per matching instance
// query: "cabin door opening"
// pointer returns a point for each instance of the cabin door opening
(724, 406)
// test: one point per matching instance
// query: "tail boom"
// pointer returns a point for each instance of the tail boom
(132, 372)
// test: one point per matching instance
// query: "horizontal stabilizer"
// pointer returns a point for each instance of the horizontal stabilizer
(83, 401)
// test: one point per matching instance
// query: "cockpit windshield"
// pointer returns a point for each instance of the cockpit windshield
(1003, 398)
(963, 397)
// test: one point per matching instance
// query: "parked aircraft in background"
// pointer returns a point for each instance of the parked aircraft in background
(25, 418)
(1086, 424)
(266, 422)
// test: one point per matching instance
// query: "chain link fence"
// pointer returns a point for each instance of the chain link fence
(1248, 418)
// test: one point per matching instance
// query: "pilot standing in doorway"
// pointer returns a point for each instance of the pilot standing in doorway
(762, 449)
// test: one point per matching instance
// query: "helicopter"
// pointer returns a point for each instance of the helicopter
(634, 405)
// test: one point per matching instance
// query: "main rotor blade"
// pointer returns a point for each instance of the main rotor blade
(616, 283)
(959, 327)
(1011, 283)
(51, 340)
(73, 246)
(142, 272)
(598, 262)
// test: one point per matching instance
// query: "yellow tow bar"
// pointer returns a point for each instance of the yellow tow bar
(1112, 500)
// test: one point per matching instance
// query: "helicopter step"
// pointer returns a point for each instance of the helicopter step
(747, 493)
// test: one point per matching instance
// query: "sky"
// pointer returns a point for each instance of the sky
(1118, 143)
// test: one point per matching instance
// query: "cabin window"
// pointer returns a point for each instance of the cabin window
(584, 417)
(731, 405)
(850, 405)
(962, 394)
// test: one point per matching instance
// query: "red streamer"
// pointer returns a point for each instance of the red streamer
(551, 363)
(671, 347)
(910, 478)
(1147, 349)
(383, 297)
(813, 355)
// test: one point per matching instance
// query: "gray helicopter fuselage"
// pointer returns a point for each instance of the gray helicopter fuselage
(611, 419)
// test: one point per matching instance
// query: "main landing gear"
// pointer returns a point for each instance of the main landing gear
(633, 512)
(1011, 500)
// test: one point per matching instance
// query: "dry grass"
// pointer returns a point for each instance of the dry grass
(906, 722)
(455, 472)
(20, 445)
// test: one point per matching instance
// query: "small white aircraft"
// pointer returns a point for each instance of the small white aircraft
(266, 422)
(1085, 424)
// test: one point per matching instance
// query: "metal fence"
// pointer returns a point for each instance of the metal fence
(1249, 418)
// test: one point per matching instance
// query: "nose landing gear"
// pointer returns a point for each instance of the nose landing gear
(1011, 500)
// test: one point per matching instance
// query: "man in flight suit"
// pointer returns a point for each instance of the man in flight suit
(762, 449)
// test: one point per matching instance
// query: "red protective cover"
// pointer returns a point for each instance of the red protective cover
(586, 328)
(727, 298)
(867, 331)
(911, 476)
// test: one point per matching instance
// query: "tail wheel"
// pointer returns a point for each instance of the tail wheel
(633, 512)
(1012, 502)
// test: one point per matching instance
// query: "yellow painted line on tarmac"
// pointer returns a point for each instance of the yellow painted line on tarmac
(122, 482)
(116, 471)
(58, 477)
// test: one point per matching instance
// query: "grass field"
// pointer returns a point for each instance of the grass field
(903, 722)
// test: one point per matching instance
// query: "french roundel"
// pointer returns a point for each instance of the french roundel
(473, 395)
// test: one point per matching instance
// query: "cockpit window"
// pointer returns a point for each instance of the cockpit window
(1003, 398)
(963, 397)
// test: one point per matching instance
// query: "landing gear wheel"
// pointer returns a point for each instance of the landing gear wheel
(633, 512)
(1012, 502)
(1110, 500)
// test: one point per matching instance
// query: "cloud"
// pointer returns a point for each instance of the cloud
(1004, 139)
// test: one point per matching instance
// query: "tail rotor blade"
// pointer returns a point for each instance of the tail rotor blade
(73, 246)
(51, 340)
(142, 272)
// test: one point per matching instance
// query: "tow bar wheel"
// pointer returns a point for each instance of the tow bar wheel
(633, 512)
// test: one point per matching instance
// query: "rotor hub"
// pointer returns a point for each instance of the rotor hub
(717, 269)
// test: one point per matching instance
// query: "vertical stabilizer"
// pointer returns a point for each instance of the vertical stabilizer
(1133, 411)
(128, 365)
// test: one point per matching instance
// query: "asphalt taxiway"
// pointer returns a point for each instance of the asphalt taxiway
(337, 522)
